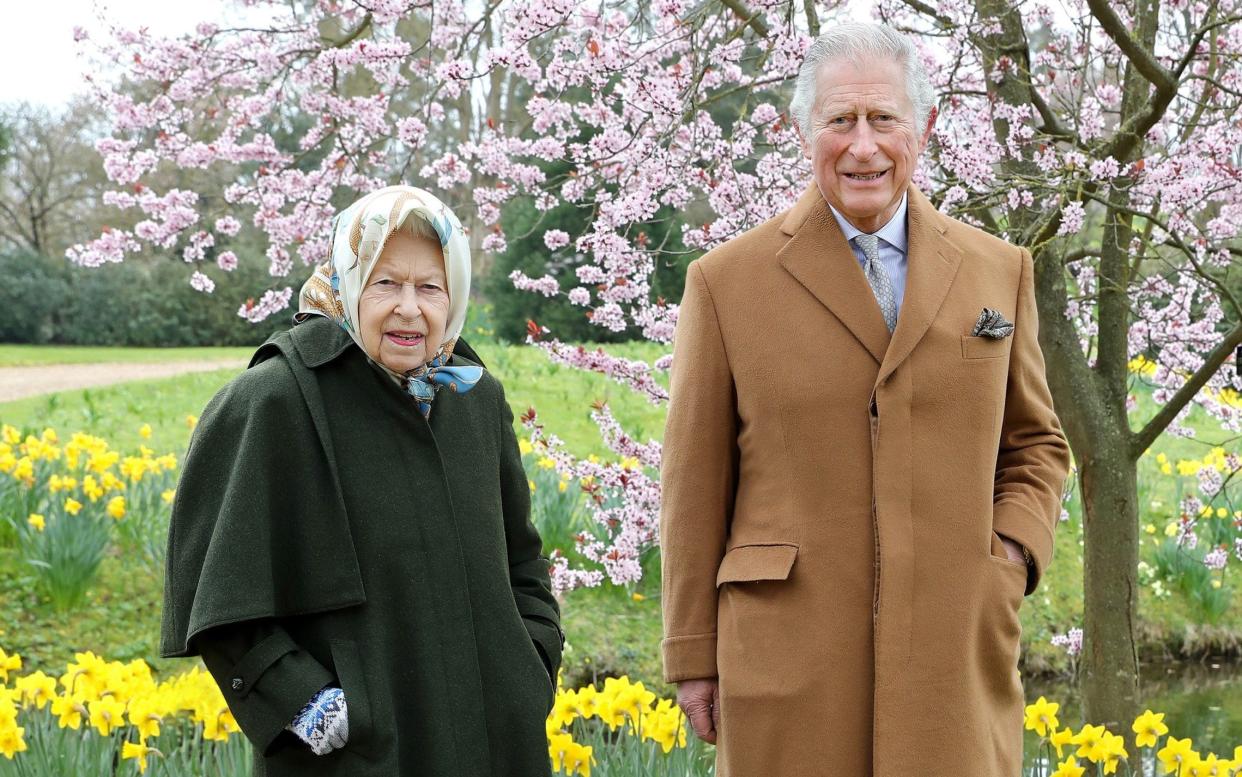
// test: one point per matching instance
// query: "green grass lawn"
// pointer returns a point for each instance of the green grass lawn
(35, 355)
(609, 632)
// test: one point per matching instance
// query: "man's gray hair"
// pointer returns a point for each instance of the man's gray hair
(860, 43)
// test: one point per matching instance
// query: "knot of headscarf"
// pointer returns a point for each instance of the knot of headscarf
(421, 383)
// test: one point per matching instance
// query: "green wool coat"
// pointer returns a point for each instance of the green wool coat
(324, 533)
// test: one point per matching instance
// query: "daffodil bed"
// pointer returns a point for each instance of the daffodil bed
(1094, 750)
(107, 717)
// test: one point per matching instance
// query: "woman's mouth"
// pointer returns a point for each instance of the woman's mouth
(405, 339)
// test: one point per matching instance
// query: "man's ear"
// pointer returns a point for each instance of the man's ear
(931, 124)
(802, 141)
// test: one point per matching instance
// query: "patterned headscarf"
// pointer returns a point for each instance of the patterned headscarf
(358, 237)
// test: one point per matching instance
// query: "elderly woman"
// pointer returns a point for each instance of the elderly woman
(351, 551)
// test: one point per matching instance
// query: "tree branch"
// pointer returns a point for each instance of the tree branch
(1140, 57)
(812, 17)
(1143, 439)
(745, 14)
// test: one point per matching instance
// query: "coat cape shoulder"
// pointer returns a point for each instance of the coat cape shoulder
(259, 528)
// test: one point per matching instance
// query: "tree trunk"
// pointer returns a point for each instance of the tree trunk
(1109, 669)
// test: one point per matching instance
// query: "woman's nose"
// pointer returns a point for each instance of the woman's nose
(408, 303)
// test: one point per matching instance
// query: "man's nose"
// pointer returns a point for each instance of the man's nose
(863, 146)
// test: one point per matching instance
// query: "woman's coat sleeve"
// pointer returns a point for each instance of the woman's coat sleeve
(265, 677)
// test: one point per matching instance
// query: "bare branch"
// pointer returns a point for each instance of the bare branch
(1141, 58)
(1143, 439)
(745, 14)
(812, 17)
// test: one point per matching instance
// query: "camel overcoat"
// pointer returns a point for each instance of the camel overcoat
(833, 496)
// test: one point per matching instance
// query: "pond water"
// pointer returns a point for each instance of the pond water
(1202, 701)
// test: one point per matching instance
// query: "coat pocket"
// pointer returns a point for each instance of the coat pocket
(999, 554)
(353, 682)
(752, 563)
(978, 347)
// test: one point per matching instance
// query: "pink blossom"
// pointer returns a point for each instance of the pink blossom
(1070, 640)
(555, 238)
(202, 283)
(1072, 217)
(271, 302)
(1216, 558)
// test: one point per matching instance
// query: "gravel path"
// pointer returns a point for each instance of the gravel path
(19, 382)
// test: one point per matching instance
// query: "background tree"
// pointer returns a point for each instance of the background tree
(51, 178)
(1102, 136)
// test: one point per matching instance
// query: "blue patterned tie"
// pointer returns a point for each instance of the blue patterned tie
(877, 276)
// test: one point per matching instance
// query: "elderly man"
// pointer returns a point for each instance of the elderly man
(862, 466)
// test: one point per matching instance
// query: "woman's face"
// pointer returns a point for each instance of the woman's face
(403, 310)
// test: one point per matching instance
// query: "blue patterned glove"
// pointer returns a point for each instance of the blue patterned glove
(323, 723)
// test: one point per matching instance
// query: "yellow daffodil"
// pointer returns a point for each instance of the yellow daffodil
(562, 486)
(116, 507)
(1176, 755)
(1222, 512)
(11, 436)
(531, 483)
(12, 741)
(1149, 727)
(107, 714)
(144, 431)
(1166, 469)
(1114, 752)
(1062, 738)
(36, 688)
(137, 750)
(546, 463)
(8, 663)
(91, 488)
(524, 447)
(1041, 717)
(637, 596)
(72, 506)
(191, 421)
(24, 470)
(585, 702)
(68, 710)
(1068, 768)
(1090, 741)
(36, 520)
(1210, 767)
(167, 495)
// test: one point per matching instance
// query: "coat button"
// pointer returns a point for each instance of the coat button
(238, 683)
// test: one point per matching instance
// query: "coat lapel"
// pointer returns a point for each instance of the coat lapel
(818, 256)
(932, 264)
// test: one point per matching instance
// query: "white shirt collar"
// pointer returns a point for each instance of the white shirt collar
(894, 233)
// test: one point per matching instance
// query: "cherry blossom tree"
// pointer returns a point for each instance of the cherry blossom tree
(1103, 136)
